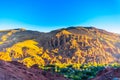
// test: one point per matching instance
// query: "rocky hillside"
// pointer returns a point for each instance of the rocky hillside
(17, 71)
(73, 45)
(108, 74)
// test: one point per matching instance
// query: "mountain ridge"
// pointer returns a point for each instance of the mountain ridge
(67, 45)
(57, 30)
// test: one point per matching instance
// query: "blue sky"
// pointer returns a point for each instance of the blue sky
(47, 15)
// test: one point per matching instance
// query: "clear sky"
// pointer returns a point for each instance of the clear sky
(47, 15)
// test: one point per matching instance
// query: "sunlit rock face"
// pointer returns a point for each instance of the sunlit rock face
(68, 45)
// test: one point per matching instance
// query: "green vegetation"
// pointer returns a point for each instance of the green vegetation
(85, 71)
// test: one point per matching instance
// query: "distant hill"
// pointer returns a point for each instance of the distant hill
(68, 45)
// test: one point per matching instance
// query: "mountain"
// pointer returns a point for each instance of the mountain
(72, 45)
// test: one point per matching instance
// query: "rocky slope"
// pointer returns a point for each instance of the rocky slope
(17, 71)
(108, 74)
(69, 46)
